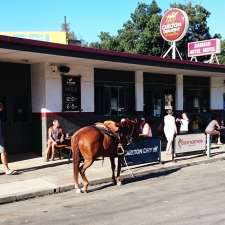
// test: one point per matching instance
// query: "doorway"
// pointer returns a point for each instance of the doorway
(159, 94)
(15, 94)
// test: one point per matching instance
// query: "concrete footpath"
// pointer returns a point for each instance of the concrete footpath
(39, 178)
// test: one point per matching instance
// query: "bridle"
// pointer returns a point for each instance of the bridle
(129, 136)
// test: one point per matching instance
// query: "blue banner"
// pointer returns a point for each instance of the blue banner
(142, 151)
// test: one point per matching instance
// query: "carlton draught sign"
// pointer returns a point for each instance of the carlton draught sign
(174, 25)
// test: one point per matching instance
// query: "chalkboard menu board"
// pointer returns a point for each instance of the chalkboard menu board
(71, 93)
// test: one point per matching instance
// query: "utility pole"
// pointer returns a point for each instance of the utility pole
(66, 28)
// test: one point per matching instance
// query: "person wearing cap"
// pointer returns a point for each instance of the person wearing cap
(170, 129)
(3, 153)
(145, 128)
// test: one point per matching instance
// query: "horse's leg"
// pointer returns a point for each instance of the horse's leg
(118, 178)
(87, 164)
(76, 163)
(112, 161)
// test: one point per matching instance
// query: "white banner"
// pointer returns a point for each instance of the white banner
(190, 143)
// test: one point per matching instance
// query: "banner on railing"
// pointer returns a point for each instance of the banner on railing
(190, 143)
(143, 151)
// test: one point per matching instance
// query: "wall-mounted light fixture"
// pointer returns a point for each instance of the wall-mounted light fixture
(64, 68)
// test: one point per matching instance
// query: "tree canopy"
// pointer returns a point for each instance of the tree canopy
(141, 33)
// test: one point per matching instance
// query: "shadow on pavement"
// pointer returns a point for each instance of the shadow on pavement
(132, 180)
(47, 165)
(150, 176)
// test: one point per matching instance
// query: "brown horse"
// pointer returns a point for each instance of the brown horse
(98, 140)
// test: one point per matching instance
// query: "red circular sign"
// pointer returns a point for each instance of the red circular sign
(174, 25)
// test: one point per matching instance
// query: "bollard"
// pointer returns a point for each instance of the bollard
(208, 145)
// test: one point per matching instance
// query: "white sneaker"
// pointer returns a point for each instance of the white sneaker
(11, 172)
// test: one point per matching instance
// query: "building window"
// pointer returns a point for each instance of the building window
(196, 94)
(114, 92)
(159, 94)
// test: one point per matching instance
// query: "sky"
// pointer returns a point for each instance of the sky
(88, 18)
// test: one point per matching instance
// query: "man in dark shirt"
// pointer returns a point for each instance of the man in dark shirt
(4, 158)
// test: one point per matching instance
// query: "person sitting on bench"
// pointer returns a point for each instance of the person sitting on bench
(213, 128)
(55, 137)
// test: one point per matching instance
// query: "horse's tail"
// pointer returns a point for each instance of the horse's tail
(76, 159)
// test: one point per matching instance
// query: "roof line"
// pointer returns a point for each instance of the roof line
(24, 44)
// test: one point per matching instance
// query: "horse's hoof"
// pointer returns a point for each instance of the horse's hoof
(78, 190)
(119, 183)
(83, 190)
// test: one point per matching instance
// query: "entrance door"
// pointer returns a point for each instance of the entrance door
(15, 95)
(157, 102)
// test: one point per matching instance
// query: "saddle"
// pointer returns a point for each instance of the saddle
(106, 130)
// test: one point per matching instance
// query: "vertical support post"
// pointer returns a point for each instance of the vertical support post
(160, 151)
(174, 50)
(139, 91)
(179, 92)
(208, 145)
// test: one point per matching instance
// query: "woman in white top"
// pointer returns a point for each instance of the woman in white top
(170, 130)
(145, 128)
(184, 122)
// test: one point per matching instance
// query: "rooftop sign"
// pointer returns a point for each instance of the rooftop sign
(174, 25)
(207, 47)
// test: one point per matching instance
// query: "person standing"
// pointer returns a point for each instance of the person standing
(184, 122)
(3, 153)
(170, 129)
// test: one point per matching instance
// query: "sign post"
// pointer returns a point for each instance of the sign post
(173, 27)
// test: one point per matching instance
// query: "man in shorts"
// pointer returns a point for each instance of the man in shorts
(213, 128)
(4, 158)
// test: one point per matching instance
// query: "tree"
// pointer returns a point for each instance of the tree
(222, 55)
(106, 42)
(141, 34)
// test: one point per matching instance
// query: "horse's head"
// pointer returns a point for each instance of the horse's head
(128, 130)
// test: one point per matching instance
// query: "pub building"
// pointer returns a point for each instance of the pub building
(42, 81)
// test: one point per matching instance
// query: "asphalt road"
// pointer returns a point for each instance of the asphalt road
(193, 195)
